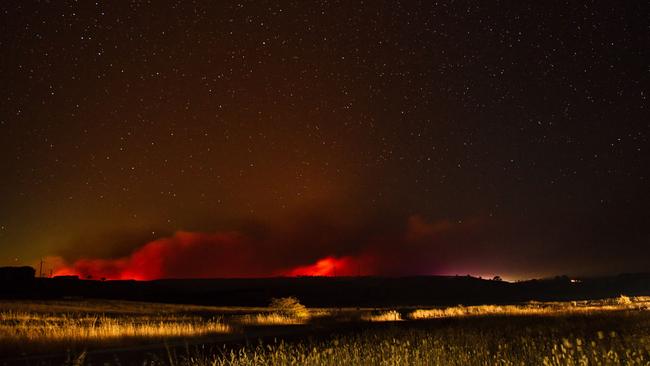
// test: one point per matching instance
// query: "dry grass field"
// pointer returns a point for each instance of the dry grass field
(616, 338)
(21, 327)
(603, 332)
(537, 308)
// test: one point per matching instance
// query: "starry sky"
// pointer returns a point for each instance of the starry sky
(257, 138)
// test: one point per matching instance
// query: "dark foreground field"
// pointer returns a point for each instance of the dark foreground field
(612, 339)
(610, 331)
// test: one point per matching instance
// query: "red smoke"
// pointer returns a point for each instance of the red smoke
(422, 248)
(198, 255)
(185, 255)
(328, 266)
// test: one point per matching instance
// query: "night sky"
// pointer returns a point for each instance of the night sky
(236, 139)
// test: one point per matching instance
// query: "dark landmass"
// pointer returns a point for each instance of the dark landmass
(330, 291)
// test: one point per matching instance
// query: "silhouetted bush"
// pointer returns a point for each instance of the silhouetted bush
(289, 306)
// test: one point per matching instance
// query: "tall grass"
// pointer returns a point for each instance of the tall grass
(31, 328)
(560, 340)
(537, 308)
(26, 327)
(23, 331)
(384, 316)
(261, 319)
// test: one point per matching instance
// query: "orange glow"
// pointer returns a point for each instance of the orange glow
(424, 247)
(184, 255)
(328, 266)
(118, 269)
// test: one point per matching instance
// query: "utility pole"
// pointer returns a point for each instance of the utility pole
(40, 271)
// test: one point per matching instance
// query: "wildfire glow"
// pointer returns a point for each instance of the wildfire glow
(328, 266)
(423, 247)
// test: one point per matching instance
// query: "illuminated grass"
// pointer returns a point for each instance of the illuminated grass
(536, 308)
(269, 319)
(385, 316)
(521, 340)
(29, 328)
(20, 327)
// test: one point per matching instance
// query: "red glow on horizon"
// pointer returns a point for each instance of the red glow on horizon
(424, 249)
(199, 255)
(328, 266)
(117, 269)
(185, 255)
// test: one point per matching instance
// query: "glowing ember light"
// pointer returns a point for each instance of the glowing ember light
(328, 266)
